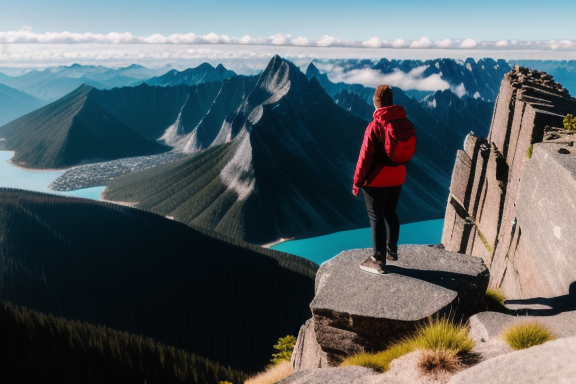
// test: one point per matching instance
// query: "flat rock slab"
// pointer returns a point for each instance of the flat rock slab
(423, 281)
(551, 362)
(355, 311)
(489, 325)
(344, 375)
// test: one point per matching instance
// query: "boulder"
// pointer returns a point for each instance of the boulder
(551, 362)
(355, 311)
(345, 375)
(488, 326)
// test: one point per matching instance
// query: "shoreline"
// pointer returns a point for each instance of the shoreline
(279, 241)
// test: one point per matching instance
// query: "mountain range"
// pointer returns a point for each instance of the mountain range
(289, 147)
(279, 163)
(204, 73)
(53, 83)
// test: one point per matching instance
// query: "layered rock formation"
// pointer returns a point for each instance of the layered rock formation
(354, 311)
(511, 199)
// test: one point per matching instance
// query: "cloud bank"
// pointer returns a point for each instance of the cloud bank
(372, 78)
(26, 35)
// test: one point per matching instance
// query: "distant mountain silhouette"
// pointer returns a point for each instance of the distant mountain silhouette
(474, 78)
(72, 130)
(138, 272)
(14, 103)
(53, 83)
(204, 73)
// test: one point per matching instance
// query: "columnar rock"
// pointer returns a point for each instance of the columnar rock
(354, 311)
(483, 212)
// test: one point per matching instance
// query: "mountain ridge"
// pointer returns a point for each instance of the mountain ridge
(70, 131)
(273, 183)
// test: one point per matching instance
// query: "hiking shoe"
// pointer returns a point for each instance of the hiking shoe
(373, 266)
(391, 255)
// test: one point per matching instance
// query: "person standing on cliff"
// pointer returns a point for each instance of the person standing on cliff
(381, 181)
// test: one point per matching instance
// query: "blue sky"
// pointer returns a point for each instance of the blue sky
(36, 33)
(350, 19)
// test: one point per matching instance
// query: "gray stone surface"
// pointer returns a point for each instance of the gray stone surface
(307, 353)
(419, 284)
(487, 326)
(520, 233)
(551, 362)
(546, 212)
(344, 375)
(356, 311)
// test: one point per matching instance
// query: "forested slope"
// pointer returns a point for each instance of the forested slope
(138, 272)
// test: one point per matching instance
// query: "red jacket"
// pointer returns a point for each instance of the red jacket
(371, 169)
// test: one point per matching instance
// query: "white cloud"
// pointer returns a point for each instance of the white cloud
(26, 35)
(301, 41)
(399, 43)
(424, 42)
(372, 78)
(372, 43)
(446, 43)
(459, 90)
(469, 43)
(278, 40)
(248, 54)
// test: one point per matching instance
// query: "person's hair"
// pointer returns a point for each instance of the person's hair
(383, 96)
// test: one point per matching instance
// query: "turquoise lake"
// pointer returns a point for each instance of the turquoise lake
(322, 248)
(15, 177)
(317, 249)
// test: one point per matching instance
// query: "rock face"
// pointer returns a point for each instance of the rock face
(354, 311)
(511, 197)
(552, 362)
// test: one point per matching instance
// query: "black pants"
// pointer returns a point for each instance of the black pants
(381, 205)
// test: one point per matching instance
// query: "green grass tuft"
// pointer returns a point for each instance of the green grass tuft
(436, 335)
(570, 122)
(443, 334)
(380, 361)
(526, 335)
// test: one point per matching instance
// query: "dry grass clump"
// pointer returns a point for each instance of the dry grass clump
(273, 374)
(526, 335)
(445, 341)
(439, 361)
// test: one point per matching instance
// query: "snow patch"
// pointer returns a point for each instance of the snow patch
(173, 134)
(238, 174)
(469, 67)
(477, 95)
